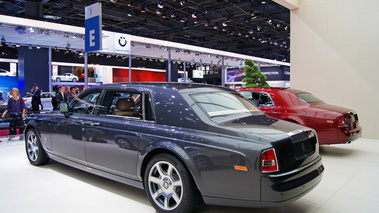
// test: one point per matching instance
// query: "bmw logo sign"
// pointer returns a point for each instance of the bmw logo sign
(122, 41)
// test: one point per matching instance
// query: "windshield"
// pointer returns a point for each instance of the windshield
(221, 106)
(307, 98)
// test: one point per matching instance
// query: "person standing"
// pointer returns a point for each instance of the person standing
(36, 97)
(16, 108)
(54, 99)
(61, 95)
(72, 92)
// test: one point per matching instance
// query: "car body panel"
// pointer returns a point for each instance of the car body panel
(170, 120)
(317, 115)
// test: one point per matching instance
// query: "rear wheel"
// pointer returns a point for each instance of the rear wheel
(169, 185)
(36, 154)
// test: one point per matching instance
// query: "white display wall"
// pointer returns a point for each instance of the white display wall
(334, 55)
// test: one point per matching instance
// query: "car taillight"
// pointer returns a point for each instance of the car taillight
(269, 161)
(341, 121)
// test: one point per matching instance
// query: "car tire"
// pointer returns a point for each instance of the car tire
(58, 79)
(170, 193)
(74, 80)
(34, 150)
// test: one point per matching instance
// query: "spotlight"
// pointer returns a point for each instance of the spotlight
(251, 31)
(129, 14)
(143, 9)
(224, 24)
(259, 28)
(194, 15)
(148, 46)
(184, 19)
(182, 3)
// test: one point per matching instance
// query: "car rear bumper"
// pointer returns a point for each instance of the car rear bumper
(279, 190)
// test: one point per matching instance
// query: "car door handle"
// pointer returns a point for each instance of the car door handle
(92, 123)
(80, 122)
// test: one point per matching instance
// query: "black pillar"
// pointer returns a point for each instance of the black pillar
(33, 67)
(174, 72)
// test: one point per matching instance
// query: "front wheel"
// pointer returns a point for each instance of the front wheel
(74, 80)
(169, 185)
(34, 150)
(58, 80)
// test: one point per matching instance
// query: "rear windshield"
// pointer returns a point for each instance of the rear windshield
(307, 98)
(221, 106)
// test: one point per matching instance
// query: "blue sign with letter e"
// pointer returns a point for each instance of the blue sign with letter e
(93, 34)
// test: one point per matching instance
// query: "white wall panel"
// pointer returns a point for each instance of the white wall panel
(335, 55)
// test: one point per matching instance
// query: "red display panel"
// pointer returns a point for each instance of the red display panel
(122, 75)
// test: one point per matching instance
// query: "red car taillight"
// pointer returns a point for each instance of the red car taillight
(341, 122)
(269, 161)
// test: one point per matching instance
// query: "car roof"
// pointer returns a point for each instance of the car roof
(272, 89)
(152, 85)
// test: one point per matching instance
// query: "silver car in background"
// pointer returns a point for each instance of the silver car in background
(45, 101)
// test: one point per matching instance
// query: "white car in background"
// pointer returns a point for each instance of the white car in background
(6, 73)
(65, 77)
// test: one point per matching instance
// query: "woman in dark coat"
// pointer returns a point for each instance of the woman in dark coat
(17, 109)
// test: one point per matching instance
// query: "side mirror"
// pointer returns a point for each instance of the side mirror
(63, 107)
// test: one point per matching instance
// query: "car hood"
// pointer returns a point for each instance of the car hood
(261, 128)
(330, 107)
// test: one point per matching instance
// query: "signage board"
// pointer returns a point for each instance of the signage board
(93, 29)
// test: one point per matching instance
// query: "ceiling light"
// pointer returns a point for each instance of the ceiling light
(259, 28)
(206, 24)
(215, 27)
(173, 15)
(184, 19)
(182, 3)
(147, 46)
(196, 21)
(130, 14)
(143, 9)
(158, 12)
(160, 5)
(163, 15)
(31, 30)
(224, 24)
(194, 15)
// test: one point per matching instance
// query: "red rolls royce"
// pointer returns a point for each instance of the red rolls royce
(333, 124)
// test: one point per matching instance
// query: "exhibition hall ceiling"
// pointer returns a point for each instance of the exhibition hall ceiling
(249, 27)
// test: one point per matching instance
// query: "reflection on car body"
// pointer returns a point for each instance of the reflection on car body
(182, 143)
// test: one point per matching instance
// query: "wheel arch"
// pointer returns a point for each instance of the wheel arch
(161, 150)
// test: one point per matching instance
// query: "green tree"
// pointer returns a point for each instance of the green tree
(254, 78)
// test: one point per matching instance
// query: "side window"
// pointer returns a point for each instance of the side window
(121, 103)
(265, 99)
(86, 104)
(148, 111)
